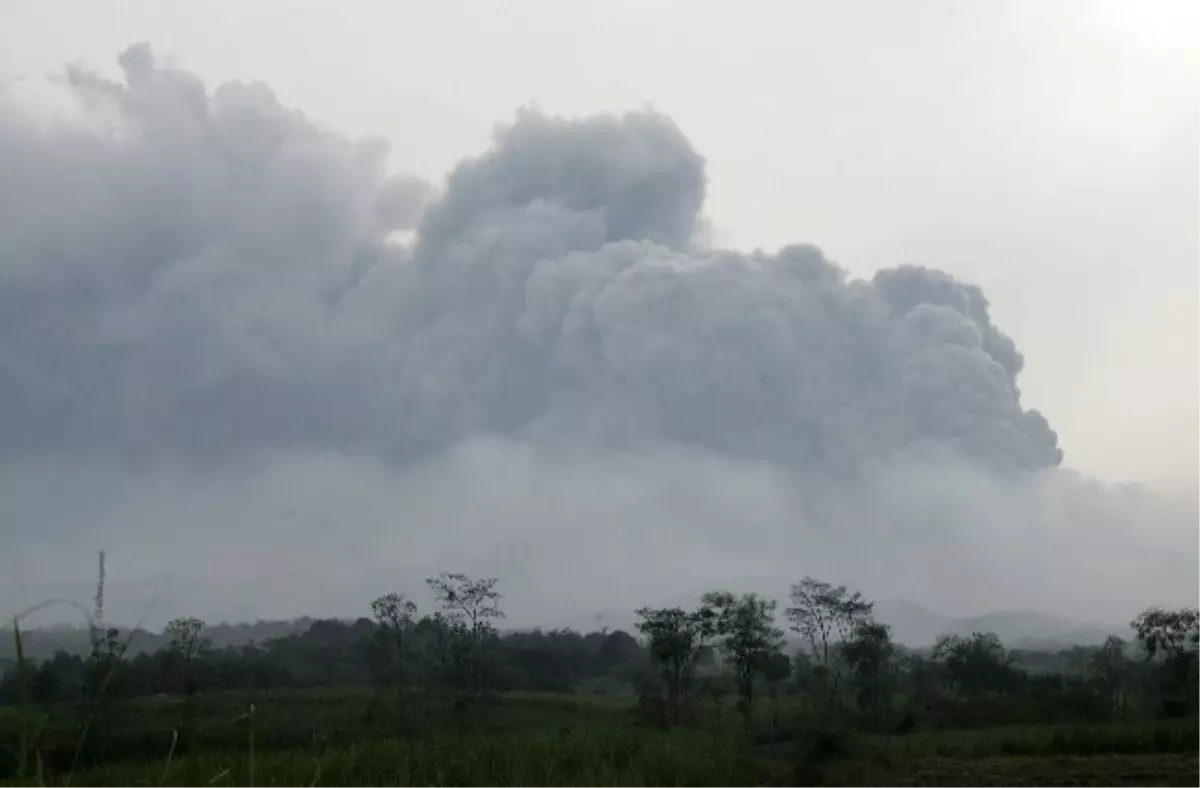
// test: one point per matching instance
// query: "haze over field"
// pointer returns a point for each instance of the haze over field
(273, 373)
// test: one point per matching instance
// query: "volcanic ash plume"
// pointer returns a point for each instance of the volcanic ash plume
(195, 274)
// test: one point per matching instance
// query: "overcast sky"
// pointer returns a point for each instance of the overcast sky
(1048, 151)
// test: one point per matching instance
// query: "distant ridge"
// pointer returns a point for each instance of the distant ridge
(916, 626)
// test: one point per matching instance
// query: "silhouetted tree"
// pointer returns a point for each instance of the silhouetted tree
(745, 629)
(464, 635)
(674, 640)
(868, 653)
(1110, 665)
(1171, 639)
(395, 617)
(977, 665)
(822, 615)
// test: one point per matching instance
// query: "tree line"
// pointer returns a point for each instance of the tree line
(833, 657)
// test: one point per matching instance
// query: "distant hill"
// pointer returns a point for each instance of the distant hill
(1032, 629)
(915, 625)
(912, 624)
(41, 642)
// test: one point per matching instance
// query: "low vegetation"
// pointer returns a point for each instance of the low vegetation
(716, 694)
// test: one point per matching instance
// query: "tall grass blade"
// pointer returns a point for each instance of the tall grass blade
(250, 765)
(114, 658)
(22, 701)
(316, 778)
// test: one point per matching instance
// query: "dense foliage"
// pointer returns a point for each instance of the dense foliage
(407, 675)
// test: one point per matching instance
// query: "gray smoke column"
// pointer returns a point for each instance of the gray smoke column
(192, 275)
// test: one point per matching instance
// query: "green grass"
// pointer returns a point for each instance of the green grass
(1096, 771)
(351, 736)
(1108, 738)
(578, 757)
(286, 721)
(355, 737)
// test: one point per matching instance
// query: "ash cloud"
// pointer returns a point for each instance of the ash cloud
(197, 273)
(214, 354)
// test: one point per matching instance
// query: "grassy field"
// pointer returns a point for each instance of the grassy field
(359, 737)
(287, 721)
(1111, 738)
(577, 757)
(1158, 769)
(354, 737)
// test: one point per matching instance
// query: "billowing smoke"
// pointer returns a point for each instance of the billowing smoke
(192, 279)
(196, 273)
